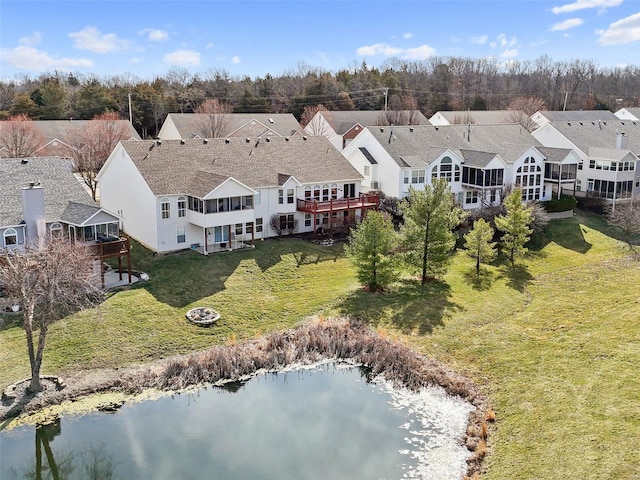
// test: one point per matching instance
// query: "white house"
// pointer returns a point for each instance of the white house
(40, 196)
(220, 194)
(478, 161)
(341, 127)
(185, 126)
(609, 152)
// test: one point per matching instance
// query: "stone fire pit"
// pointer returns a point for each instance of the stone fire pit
(203, 315)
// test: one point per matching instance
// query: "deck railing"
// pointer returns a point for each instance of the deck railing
(365, 200)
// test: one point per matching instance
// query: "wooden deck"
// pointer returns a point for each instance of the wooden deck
(364, 201)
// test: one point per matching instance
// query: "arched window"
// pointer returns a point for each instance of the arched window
(446, 170)
(334, 192)
(316, 192)
(55, 229)
(182, 206)
(10, 237)
(307, 193)
(165, 208)
(529, 179)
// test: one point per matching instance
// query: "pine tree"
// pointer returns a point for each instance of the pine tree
(369, 248)
(515, 225)
(479, 245)
(429, 219)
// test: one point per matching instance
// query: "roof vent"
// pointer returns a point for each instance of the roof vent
(604, 121)
(286, 138)
(304, 137)
(24, 162)
(382, 129)
(182, 142)
(159, 142)
(248, 139)
(271, 120)
(268, 139)
(436, 129)
(569, 123)
(411, 129)
(226, 140)
(205, 141)
(581, 123)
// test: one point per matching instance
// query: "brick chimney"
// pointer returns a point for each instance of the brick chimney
(33, 212)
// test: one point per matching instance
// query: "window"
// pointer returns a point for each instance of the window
(248, 227)
(287, 222)
(471, 197)
(181, 237)
(334, 192)
(417, 176)
(165, 208)
(407, 175)
(307, 193)
(367, 170)
(258, 225)
(182, 207)
(196, 205)
(307, 219)
(257, 198)
(316, 192)
(290, 195)
(238, 229)
(55, 229)
(325, 193)
(10, 237)
(280, 197)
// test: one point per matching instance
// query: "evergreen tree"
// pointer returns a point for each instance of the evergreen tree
(430, 217)
(479, 245)
(369, 249)
(515, 225)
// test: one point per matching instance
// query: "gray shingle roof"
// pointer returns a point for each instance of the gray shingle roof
(58, 182)
(77, 213)
(195, 168)
(479, 116)
(255, 124)
(426, 142)
(601, 134)
(578, 115)
(343, 120)
(554, 155)
(61, 129)
(615, 154)
(476, 159)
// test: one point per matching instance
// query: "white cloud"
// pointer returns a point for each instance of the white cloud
(30, 58)
(235, 60)
(183, 58)
(154, 34)
(90, 38)
(567, 24)
(382, 49)
(31, 41)
(510, 53)
(407, 35)
(623, 31)
(481, 40)
(210, 45)
(585, 4)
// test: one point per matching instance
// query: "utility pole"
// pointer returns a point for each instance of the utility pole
(566, 94)
(386, 94)
(130, 114)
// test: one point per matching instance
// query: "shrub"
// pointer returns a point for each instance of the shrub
(562, 204)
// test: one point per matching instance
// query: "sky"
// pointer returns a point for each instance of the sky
(148, 38)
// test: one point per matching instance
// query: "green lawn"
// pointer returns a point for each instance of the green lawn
(553, 342)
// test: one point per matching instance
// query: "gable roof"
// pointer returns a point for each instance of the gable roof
(553, 154)
(601, 134)
(343, 120)
(634, 111)
(577, 115)
(194, 167)
(56, 177)
(478, 116)
(255, 124)
(427, 142)
(60, 129)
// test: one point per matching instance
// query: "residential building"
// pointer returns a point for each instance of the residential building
(56, 135)
(609, 152)
(40, 196)
(225, 193)
(444, 117)
(478, 161)
(341, 127)
(186, 126)
(543, 117)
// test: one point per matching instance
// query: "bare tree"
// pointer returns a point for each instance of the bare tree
(19, 137)
(626, 218)
(521, 109)
(314, 123)
(212, 119)
(92, 145)
(49, 281)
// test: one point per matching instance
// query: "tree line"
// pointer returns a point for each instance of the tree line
(439, 83)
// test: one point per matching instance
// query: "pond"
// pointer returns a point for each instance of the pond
(316, 423)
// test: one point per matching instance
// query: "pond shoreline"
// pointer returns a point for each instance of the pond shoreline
(339, 340)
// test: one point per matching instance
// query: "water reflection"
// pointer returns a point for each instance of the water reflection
(331, 422)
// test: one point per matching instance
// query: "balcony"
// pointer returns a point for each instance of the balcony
(364, 201)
